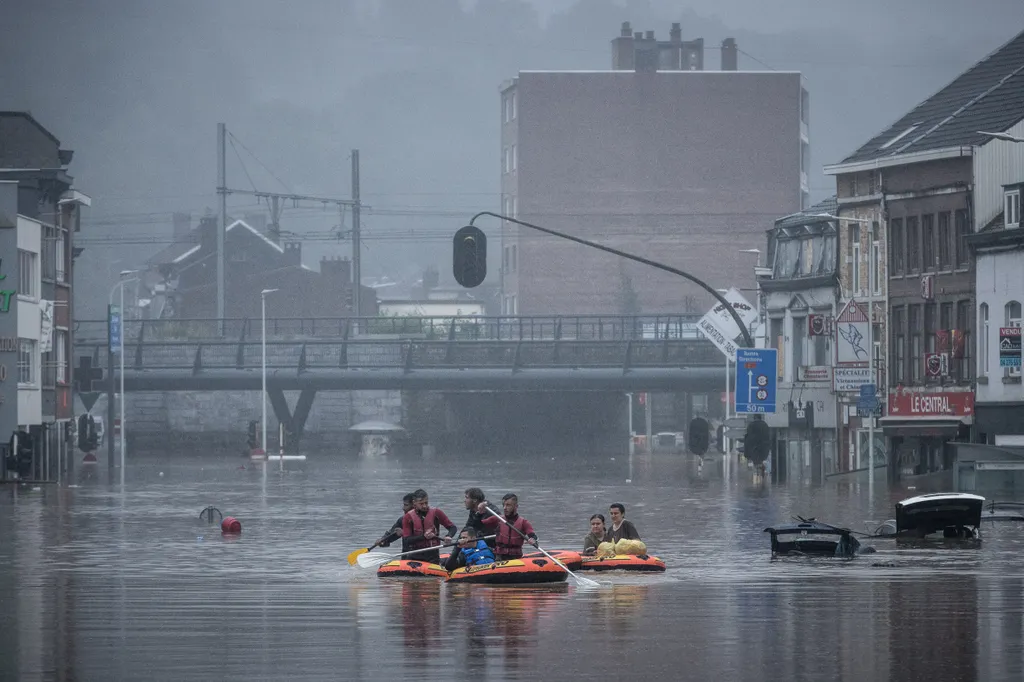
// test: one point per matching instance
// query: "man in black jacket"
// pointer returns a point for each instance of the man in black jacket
(474, 496)
(395, 532)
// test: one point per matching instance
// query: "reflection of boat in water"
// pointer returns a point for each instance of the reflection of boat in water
(813, 538)
(641, 563)
(515, 572)
(410, 568)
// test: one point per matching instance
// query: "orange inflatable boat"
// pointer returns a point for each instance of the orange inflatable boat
(624, 562)
(411, 568)
(572, 560)
(515, 572)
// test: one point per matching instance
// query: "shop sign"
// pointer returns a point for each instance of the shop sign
(906, 403)
(814, 373)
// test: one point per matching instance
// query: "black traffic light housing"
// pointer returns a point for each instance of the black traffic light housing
(757, 442)
(469, 256)
(698, 436)
(87, 439)
(253, 440)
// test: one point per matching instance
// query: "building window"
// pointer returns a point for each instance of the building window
(913, 245)
(855, 258)
(27, 265)
(944, 241)
(983, 339)
(798, 342)
(514, 157)
(928, 242)
(506, 160)
(963, 255)
(916, 348)
(49, 249)
(930, 329)
(27, 371)
(819, 348)
(899, 346)
(61, 342)
(1011, 209)
(515, 208)
(897, 247)
(515, 106)
(513, 305)
(1013, 319)
(515, 258)
(876, 267)
(505, 258)
(777, 341)
(964, 322)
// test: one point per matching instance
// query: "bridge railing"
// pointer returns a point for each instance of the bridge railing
(311, 355)
(579, 327)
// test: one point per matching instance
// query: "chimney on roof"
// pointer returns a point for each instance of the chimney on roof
(650, 35)
(293, 253)
(182, 225)
(622, 49)
(676, 34)
(730, 54)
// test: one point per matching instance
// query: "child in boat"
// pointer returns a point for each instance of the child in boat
(470, 551)
(596, 535)
(621, 528)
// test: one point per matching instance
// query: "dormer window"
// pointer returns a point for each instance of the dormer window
(1011, 208)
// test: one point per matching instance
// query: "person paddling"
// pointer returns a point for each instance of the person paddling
(395, 532)
(421, 525)
(621, 528)
(596, 535)
(470, 551)
(509, 544)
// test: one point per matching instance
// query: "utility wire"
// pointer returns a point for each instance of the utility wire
(232, 136)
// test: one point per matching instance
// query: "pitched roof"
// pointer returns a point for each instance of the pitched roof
(190, 244)
(810, 215)
(989, 97)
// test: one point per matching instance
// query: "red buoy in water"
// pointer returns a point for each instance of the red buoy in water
(230, 525)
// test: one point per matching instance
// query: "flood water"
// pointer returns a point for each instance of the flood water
(101, 584)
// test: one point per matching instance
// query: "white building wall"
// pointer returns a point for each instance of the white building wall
(1000, 279)
(30, 399)
(995, 163)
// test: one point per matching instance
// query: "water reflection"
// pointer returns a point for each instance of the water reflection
(930, 640)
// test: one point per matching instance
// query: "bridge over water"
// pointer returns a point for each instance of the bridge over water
(451, 355)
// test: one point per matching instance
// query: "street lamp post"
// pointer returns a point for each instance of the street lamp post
(124, 433)
(263, 400)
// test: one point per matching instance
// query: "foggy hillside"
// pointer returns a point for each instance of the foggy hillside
(136, 89)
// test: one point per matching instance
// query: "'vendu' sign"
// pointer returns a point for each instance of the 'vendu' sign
(1009, 346)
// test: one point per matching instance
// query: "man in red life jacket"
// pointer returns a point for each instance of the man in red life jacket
(420, 528)
(509, 544)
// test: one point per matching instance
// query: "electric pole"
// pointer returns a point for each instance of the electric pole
(222, 190)
(357, 271)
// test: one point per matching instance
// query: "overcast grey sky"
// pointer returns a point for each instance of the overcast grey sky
(136, 89)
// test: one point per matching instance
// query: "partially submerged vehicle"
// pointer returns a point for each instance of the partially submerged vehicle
(808, 537)
(957, 516)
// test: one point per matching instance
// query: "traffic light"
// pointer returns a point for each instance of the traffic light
(698, 436)
(469, 257)
(758, 442)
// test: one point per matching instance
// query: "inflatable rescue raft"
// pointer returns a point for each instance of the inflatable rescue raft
(411, 568)
(523, 571)
(642, 563)
(572, 560)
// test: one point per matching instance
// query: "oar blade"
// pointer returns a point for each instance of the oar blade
(354, 556)
(373, 559)
(585, 583)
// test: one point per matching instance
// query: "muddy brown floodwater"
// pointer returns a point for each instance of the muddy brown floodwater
(97, 583)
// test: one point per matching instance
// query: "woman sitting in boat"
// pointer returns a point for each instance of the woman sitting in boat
(470, 551)
(621, 528)
(596, 535)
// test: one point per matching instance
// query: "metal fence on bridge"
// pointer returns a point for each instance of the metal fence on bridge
(470, 328)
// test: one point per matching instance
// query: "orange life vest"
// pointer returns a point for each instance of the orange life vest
(420, 525)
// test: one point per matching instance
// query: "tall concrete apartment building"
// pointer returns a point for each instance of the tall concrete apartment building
(657, 157)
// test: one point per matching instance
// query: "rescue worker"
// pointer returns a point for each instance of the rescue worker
(395, 532)
(421, 525)
(470, 551)
(509, 544)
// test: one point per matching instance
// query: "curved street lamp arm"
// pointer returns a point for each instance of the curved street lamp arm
(747, 339)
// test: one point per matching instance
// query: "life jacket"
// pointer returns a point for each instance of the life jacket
(509, 543)
(479, 555)
(420, 525)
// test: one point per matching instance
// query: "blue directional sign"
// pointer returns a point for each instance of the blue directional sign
(756, 369)
(867, 402)
(115, 329)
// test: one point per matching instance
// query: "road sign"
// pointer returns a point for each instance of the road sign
(852, 335)
(115, 329)
(735, 434)
(868, 390)
(719, 327)
(755, 380)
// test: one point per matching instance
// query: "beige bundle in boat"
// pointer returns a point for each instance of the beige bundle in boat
(635, 547)
(605, 549)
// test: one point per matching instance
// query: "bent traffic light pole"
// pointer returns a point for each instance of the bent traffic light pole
(747, 339)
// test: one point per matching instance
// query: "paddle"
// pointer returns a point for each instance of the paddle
(580, 580)
(379, 559)
(354, 556)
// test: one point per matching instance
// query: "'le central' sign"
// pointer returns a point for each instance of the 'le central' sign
(919, 404)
